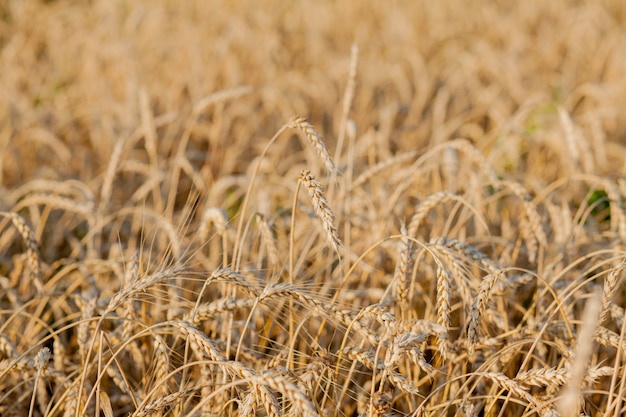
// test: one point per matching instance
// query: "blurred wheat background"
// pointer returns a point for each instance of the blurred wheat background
(273, 208)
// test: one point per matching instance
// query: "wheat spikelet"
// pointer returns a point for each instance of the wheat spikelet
(609, 288)
(75, 400)
(512, 386)
(342, 316)
(407, 344)
(425, 206)
(479, 306)
(84, 330)
(247, 406)
(219, 96)
(7, 348)
(107, 182)
(142, 285)
(288, 389)
(443, 306)
(154, 406)
(215, 216)
(543, 377)
(570, 140)
(161, 365)
(268, 239)
(86, 209)
(617, 209)
(607, 337)
(380, 405)
(381, 166)
(404, 269)
(532, 215)
(315, 139)
(475, 155)
(321, 207)
(368, 359)
(617, 314)
(207, 311)
(40, 393)
(32, 249)
(468, 250)
(128, 310)
(231, 277)
(202, 345)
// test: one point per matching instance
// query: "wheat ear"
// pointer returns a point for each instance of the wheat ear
(609, 289)
(479, 306)
(32, 248)
(321, 207)
(315, 139)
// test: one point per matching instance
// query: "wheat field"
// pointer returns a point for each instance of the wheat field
(334, 209)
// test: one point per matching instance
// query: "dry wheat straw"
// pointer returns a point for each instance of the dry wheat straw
(315, 139)
(321, 207)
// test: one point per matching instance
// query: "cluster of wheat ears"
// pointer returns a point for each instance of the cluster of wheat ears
(441, 235)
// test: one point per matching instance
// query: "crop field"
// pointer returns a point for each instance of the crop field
(312, 208)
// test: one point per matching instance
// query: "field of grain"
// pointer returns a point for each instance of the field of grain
(299, 208)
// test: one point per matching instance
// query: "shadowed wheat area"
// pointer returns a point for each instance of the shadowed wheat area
(332, 209)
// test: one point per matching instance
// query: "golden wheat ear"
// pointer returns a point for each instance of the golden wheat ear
(32, 248)
(315, 139)
(321, 207)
